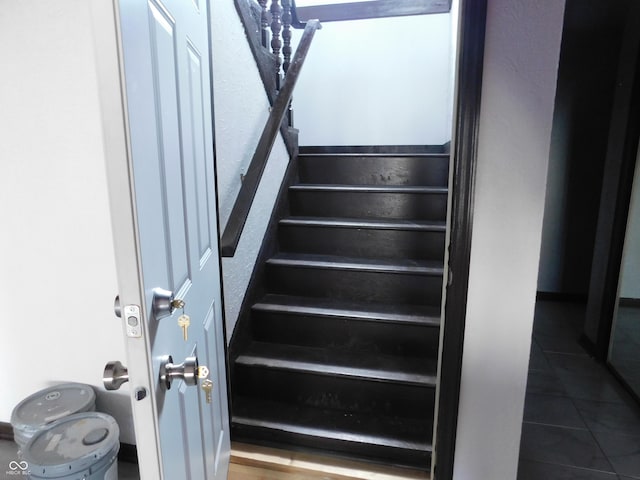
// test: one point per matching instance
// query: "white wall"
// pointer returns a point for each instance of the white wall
(520, 67)
(377, 82)
(241, 109)
(630, 274)
(57, 280)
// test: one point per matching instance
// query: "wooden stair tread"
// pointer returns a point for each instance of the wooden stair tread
(419, 315)
(389, 155)
(340, 363)
(312, 187)
(384, 149)
(401, 433)
(374, 224)
(334, 262)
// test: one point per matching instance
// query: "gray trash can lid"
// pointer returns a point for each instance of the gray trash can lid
(73, 444)
(52, 404)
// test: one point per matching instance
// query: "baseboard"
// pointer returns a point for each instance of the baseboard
(562, 297)
(128, 453)
(6, 431)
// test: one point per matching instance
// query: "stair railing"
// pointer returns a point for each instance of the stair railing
(242, 206)
(281, 16)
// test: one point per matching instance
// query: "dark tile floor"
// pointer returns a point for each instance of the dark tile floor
(579, 423)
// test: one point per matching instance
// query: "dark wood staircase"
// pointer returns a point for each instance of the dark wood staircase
(339, 352)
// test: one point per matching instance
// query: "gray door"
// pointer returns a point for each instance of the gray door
(170, 184)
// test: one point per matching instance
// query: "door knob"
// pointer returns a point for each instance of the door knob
(186, 371)
(164, 303)
(115, 374)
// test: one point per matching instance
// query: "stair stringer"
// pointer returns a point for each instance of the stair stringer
(241, 335)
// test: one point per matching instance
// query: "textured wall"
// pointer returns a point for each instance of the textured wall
(241, 109)
(520, 66)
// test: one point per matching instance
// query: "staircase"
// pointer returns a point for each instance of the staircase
(338, 353)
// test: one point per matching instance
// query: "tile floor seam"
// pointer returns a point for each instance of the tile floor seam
(595, 470)
(556, 425)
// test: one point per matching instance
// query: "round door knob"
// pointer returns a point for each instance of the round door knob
(115, 374)
(186, 371)
(117, 308)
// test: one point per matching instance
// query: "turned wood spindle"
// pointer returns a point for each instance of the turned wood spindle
(264, 22)
(286, 34)
(276, 27)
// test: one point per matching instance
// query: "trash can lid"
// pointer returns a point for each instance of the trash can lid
(52, 404)
(72, 444)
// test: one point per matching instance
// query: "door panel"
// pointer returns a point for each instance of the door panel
(165, 46)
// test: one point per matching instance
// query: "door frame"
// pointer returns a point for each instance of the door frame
(470, 57)
(622, 150)
(464, 149)
(110, 77)
(119, 168)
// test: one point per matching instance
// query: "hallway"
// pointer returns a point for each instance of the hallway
(579, 423)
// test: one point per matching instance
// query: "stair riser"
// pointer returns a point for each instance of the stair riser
(355, 204)
(294, 441)
(355, 285)
(357, 335)
(362, 397)
(368, 243)
(375, 170)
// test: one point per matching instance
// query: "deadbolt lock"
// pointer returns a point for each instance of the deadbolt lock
(164, 303)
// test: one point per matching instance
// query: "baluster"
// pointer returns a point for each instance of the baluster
(264, 22)
(286, 34)
(276, 27)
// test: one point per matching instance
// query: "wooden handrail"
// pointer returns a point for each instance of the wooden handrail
(242, 205)
(295, 21)
(357, 10)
